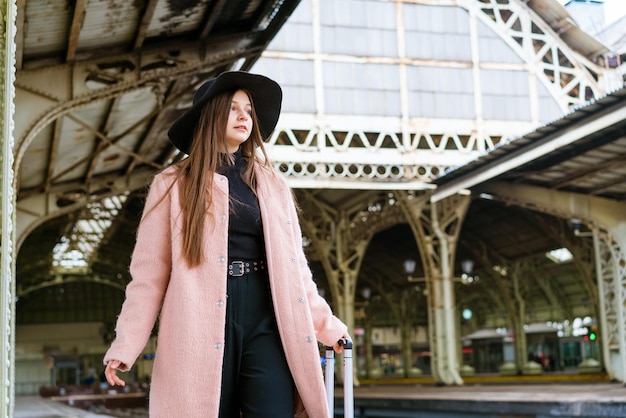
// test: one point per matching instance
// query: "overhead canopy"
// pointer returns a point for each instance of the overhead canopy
(97, 109)
(555, 15)
(582, 152)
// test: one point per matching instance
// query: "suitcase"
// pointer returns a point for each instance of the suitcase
(329, 377)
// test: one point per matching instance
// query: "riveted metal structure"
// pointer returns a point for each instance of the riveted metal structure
(95, 86)
(7, 207)
(569, 169)
(394, 101)
(384, 101)
(405, 102)
(609, 256)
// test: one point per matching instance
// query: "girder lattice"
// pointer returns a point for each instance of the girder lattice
(611, 271)
(322, 149)
(7, 208)
(572, 78)
(345, 155)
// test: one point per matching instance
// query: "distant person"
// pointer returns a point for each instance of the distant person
(219, 255)
(552, 362)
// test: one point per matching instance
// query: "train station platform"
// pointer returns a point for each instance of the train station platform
(38, 407)
(584, 399)
(564, 400)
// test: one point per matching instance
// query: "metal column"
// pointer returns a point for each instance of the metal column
(7, 205)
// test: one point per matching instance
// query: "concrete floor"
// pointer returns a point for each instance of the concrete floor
(37, 407)
(423, 395)
(563, 392)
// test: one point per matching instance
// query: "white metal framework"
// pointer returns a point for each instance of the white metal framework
(487, 70)
(610, 265)
(380, 95)
(611, 275)
(391, 101)
(7, 207)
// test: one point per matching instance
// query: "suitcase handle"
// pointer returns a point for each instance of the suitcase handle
(344, 342)
(348, 382)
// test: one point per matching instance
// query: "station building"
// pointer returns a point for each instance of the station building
(458, 164)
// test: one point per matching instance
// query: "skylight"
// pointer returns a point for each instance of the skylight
(72, 252)
(560, 255)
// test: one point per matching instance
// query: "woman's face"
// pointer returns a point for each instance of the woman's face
(239, 126)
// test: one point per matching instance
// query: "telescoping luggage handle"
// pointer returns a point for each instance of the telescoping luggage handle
(348, 400)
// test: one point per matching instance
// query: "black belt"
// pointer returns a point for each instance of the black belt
(237, 268)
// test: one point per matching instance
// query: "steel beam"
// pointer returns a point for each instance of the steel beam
(7, 207)
(600, 214)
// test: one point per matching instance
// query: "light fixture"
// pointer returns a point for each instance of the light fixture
(467, 266)
(577, 226)
(467, 314)
(409, 266)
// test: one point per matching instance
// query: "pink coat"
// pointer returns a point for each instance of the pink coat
(192, 301)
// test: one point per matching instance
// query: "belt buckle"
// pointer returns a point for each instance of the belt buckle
(236, 272)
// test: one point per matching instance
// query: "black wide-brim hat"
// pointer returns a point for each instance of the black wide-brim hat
(265, 94)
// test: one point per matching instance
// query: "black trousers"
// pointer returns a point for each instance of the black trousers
(256, 381)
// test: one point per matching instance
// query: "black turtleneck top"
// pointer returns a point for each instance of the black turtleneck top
(245, 229)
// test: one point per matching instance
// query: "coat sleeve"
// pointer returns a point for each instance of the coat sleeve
(328, 328)
(150, 269)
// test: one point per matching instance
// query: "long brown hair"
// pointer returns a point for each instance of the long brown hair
(206, 156)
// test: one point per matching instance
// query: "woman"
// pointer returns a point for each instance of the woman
(219, 258)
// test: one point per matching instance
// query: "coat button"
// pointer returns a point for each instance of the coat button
(293, 259)
(221, 259)
(288, 221)
(220, 303)
(300, 299)
(223, 217)
(309, 339)
(218, 346)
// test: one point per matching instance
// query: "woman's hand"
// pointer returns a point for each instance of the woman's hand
(111, 373)
(338, 346)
